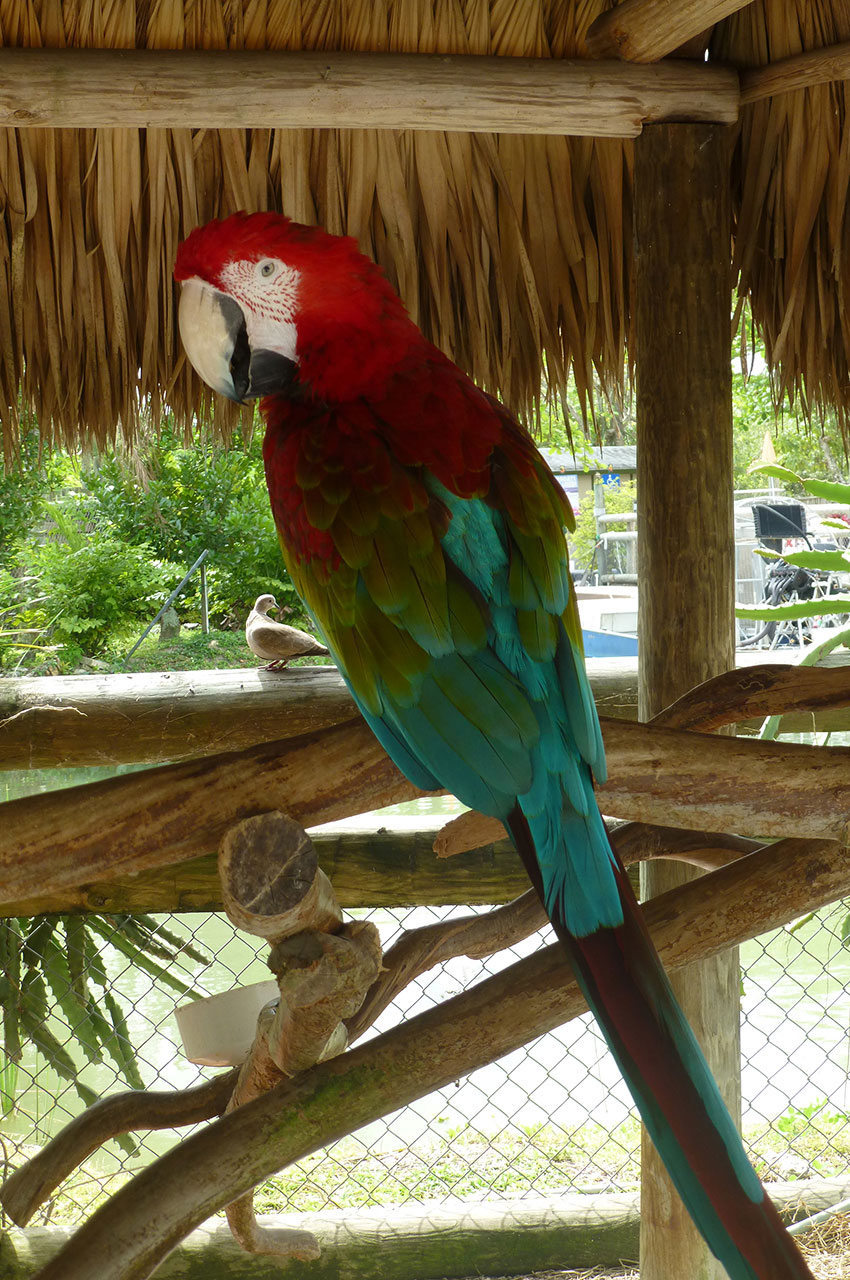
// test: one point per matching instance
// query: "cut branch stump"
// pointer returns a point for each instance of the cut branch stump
(273, 888)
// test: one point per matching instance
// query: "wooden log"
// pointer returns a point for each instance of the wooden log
(803, 71)
(273, 889)
(396, 1243)
(158, 716)
(634, 841)
(163, 816)
(384, 868)
(645, 30)
(686, 624)
(151, 718)
(270, 878)
(517, 1237)
(117, 88)
(323, 979)
(128, 1237)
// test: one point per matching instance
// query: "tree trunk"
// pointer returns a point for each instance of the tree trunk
(686, 622)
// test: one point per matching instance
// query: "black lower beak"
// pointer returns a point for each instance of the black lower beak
(269, 373)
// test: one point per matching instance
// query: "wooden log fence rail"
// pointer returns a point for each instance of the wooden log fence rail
(162, 717)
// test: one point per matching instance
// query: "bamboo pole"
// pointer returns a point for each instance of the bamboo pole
(118, 88)
(686, 622)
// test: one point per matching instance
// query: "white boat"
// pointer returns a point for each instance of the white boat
(609, 617)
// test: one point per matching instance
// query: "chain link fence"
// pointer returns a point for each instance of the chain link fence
(550, 1117)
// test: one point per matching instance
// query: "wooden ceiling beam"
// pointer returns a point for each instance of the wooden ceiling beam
(818, 66)
(646, 30)
(95, 88)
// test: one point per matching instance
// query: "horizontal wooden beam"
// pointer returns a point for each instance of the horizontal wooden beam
(644, 30)
(151, 718)
(385, 868)
(573, 1229)
(803, 71)
(100, 88)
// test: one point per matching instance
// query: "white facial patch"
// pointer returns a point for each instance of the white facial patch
(267, 291)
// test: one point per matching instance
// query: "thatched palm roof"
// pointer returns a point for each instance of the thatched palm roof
(512, 250)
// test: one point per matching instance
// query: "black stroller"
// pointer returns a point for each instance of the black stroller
(775, 523)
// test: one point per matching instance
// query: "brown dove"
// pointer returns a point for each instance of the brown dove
(274, 641)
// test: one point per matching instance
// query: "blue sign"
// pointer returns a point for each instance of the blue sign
(611, 478)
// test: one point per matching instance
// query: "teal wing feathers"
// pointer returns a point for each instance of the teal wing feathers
(453, 620)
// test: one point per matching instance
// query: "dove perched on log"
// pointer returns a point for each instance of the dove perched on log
(274, 641)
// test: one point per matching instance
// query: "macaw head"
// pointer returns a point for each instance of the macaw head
(271, 307)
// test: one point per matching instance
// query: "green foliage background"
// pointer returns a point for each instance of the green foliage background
(90, 547)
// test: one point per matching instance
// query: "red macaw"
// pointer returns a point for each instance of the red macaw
(425, 535)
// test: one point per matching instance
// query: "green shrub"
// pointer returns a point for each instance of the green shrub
(182, 500)
(99, 587)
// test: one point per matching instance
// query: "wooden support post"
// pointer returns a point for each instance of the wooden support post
(685, 548)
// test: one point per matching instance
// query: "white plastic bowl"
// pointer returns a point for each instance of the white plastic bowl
(218, 1031)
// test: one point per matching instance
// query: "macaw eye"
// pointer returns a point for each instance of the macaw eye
(267, 269)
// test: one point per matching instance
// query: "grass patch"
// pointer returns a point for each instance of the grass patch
(469, 1166)
(191, 651)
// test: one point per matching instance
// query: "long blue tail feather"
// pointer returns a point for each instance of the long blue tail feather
(624, 983)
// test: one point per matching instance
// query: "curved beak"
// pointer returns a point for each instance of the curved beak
(215, 335)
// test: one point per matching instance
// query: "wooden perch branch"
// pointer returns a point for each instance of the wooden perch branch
(634, 841)
(32, 1184)
(699, 781)
(157, 818)
(749, 692)
(127, 1238)
(157, 717)
(418, 950)
(803, 71)
(725, 699)
(271, 882)
(161, 816)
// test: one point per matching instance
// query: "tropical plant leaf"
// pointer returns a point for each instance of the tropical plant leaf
(777, 472)
(831, 490)
(827, 561)
(8, 1084)
(120, 1045)
(75, 946)
(826, 606)
(142, 961)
